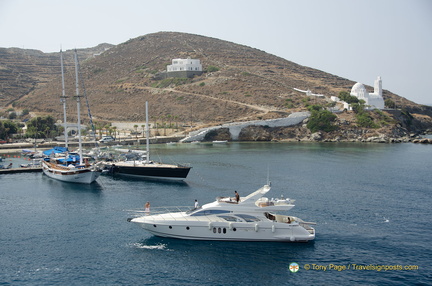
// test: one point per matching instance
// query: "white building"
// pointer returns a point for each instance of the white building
(372, 100)
(185, 65)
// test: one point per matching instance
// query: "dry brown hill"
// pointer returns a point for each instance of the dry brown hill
(23, 70)
(249, 84)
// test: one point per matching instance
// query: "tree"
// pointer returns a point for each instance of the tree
(390, 103)
(321, 120)
(7, 128)
(136, 131)
(12, 115)
(348, 98)
(115, 131)
(358, 107)
(25, 112)
(41, 127)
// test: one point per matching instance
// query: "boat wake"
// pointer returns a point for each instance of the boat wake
(140, 245)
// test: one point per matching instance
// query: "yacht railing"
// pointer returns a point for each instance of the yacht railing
(170, 213)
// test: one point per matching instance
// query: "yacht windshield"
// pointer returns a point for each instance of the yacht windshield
(209, 212)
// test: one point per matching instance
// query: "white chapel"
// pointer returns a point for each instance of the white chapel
(372, 100)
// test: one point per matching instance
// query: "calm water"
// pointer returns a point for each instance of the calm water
(372, 204)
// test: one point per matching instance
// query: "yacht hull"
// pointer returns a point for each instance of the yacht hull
(234, 232)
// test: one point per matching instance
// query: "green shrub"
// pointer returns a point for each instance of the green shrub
(389, 103)
(321, 120)
(365, 120)
(348, 98)
(170, 81)
(212, 69)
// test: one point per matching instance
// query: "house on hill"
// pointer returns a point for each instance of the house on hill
(182, 68)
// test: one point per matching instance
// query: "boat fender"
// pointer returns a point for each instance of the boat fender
(273, 228)
(292, 238)
(256, 227)
(230, 226)
(210, 225)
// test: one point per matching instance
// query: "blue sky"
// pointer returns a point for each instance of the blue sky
(355, 39)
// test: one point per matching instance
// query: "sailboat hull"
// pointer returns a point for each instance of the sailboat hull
(164, 171)
(82, 176)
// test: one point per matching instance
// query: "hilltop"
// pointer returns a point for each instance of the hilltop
(244, 83)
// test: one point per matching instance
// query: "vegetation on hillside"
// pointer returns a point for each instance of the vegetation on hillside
(42, 127)
(7, 128)
(170, 82)
(321, 119)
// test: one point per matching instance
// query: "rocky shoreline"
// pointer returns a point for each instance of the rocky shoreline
(294, 129)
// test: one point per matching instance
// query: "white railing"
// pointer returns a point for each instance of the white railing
(170, 213)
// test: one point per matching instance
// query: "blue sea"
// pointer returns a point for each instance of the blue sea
(371, 202)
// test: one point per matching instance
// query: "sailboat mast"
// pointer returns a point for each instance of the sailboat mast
(147, 136)
(78, 107)
(63, 100)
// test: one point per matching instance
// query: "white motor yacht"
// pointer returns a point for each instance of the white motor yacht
(253, 218)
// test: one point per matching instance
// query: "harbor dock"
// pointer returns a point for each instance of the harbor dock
(21, 170)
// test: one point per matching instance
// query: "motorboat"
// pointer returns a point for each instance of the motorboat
(220, 141)
(252, 218)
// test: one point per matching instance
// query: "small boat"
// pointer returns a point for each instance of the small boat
(35, 163)
(252, 218)
(220, 142)
(6, 166)
(141, 166)
(71, 169)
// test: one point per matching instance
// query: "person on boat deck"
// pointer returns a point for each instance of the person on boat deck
(237, 197)
(147, 207)
(196, 204)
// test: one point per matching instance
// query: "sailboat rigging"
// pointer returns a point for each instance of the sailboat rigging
(61, 168)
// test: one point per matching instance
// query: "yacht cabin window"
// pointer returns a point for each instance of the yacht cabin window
(229, 218)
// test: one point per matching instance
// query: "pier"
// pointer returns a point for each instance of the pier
(21, 170)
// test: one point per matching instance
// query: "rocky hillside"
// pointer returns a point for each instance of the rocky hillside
(22, 71)
(244, 83)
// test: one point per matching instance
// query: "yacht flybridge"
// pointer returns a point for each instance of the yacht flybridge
(253, 218)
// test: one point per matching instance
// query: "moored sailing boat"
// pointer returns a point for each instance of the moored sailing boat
(145, 168)
(79, 172)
